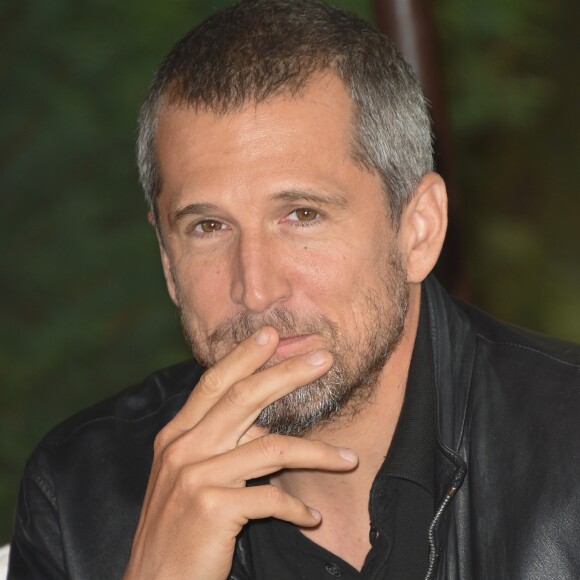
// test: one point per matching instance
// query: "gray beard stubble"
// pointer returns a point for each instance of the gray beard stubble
(350, 383)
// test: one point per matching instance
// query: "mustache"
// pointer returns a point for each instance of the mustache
(240, 326)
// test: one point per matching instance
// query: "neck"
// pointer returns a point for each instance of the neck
(342, 498)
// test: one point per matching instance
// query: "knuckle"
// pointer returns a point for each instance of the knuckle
(273, 446)
(237, 395)
(210, 384)
(172, 456)
(245, 348)
(160, 443)
(293, 367)
(274, 495)
(208, 501)
(188, 480)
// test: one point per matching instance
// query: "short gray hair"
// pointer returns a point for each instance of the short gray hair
(257, 49)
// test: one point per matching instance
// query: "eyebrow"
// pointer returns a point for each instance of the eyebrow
(191, 209)
(315, 197)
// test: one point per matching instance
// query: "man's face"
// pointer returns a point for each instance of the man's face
(267, 220)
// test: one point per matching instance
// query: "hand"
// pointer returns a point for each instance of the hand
(197, 501)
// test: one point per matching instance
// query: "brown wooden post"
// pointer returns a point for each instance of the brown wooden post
(410, 24)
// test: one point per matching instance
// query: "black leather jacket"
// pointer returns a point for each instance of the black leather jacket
(507, 462)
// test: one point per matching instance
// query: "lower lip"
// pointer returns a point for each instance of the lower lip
(293, 346)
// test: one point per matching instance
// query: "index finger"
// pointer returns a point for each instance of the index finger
(246, 358)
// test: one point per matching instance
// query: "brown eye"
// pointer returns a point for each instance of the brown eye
(210, 226)
(305, 214)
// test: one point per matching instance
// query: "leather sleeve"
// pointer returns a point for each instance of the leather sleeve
(242, 564)
(239, 573)
(36, 548)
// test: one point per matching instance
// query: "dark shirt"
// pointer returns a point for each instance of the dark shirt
(401, 504)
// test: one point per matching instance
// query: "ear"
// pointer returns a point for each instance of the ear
(165, 260)
(423, 227)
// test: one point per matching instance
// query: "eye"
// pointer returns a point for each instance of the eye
(208, 226)
(304, 214)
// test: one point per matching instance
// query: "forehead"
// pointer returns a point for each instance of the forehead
(287, 142)
(322, 111)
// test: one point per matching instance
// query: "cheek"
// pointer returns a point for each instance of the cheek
(329, 277)
(203, 292)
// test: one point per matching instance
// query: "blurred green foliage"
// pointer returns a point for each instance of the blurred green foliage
(84, 309)
(514, 86)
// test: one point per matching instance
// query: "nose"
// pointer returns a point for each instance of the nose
(260, 274)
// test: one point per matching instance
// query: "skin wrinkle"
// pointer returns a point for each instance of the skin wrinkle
(255, 167)
(289, 196)
(347, 387)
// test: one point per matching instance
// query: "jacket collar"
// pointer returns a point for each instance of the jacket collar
(454, 344)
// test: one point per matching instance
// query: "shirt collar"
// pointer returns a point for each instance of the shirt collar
(412, 451)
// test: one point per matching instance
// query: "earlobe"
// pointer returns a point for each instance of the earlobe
(423, 227)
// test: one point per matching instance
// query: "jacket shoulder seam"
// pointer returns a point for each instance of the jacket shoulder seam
(108, 417)
(530, 349)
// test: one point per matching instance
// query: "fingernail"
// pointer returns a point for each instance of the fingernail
(317, 358)
(347, 454)
(263, 337)
(315, 514)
